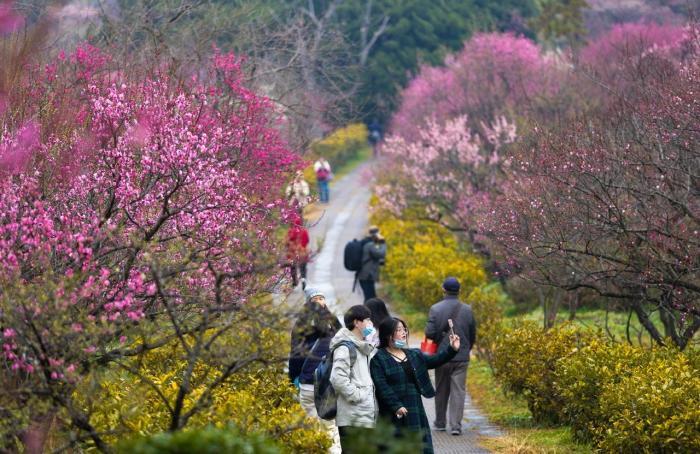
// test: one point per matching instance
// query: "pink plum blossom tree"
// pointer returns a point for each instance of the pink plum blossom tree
(135, 211)
(601, 199)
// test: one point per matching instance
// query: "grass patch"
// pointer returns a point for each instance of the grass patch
(511, 413)
(595, 319)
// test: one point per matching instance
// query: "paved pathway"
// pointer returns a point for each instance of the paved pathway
(345, 218)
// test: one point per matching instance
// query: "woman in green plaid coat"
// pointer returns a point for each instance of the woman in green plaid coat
(400, 376)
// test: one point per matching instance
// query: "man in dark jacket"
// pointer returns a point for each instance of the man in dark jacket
(311, 337)
(373, 255)
(450, 378)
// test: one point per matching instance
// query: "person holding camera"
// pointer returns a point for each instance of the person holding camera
(373, 257)
(400, 376)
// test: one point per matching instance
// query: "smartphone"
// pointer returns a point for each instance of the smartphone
(451, 325)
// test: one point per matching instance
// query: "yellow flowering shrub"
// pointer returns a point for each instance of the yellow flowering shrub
(256, 399)
(420, 255)
(629, 399)
(654, 409)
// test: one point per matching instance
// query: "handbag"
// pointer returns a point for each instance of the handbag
(428, 346)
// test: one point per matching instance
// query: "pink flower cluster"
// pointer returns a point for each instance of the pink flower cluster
(154, 194)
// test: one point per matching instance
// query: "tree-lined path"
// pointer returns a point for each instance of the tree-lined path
(345, 218)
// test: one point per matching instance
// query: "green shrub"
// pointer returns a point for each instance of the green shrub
(525, 360)
(487, 303)
(655, 409)
(209, 440)
(580, 379)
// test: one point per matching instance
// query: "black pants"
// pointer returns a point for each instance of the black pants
(301, 267)
(368, 289)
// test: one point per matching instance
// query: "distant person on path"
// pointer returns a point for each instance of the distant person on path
(400, 376)
(297, 250)
(323, 177)
(351, 379)
(373, 256)
(375, 135)
(311, 336)
(298, 192)
(451, 378)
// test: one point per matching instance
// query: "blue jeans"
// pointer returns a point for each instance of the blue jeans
(323, 191)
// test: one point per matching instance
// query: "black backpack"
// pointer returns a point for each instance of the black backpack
(325, 398)
(352, 256)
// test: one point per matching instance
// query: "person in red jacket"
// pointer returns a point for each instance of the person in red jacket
(297, 250)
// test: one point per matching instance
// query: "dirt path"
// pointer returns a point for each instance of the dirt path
(345, 218)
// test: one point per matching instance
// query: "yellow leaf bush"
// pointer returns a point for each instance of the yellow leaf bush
(525, 361)
(628, 399)
(579, 379)
(654, 409)
(255, 399)
(420, 255)
(487, 303)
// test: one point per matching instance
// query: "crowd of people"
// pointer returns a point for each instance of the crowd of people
(376, 375)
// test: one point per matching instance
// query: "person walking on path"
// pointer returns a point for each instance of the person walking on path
(297, 250)
(350, 377)
(298, 193)
(374, 136)
(373, 256)
(311, 337)
(323, 177)
(450, 378)
(400, 376)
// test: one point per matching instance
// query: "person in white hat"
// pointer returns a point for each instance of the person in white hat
(311, 337)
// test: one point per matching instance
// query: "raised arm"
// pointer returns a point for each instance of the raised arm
(378, 251)
(437, 360)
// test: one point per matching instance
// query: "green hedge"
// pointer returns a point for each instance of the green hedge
(621, 398)
(210, 440)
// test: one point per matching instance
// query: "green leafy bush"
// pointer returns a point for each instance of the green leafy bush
(580, 378)
(654, 409)
(209, 440)
(525, 360)
(487, 303)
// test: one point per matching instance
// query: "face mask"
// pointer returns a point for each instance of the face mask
(367, 331)
(398, 343)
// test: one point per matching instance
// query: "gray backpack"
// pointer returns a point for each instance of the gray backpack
(325, 397)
